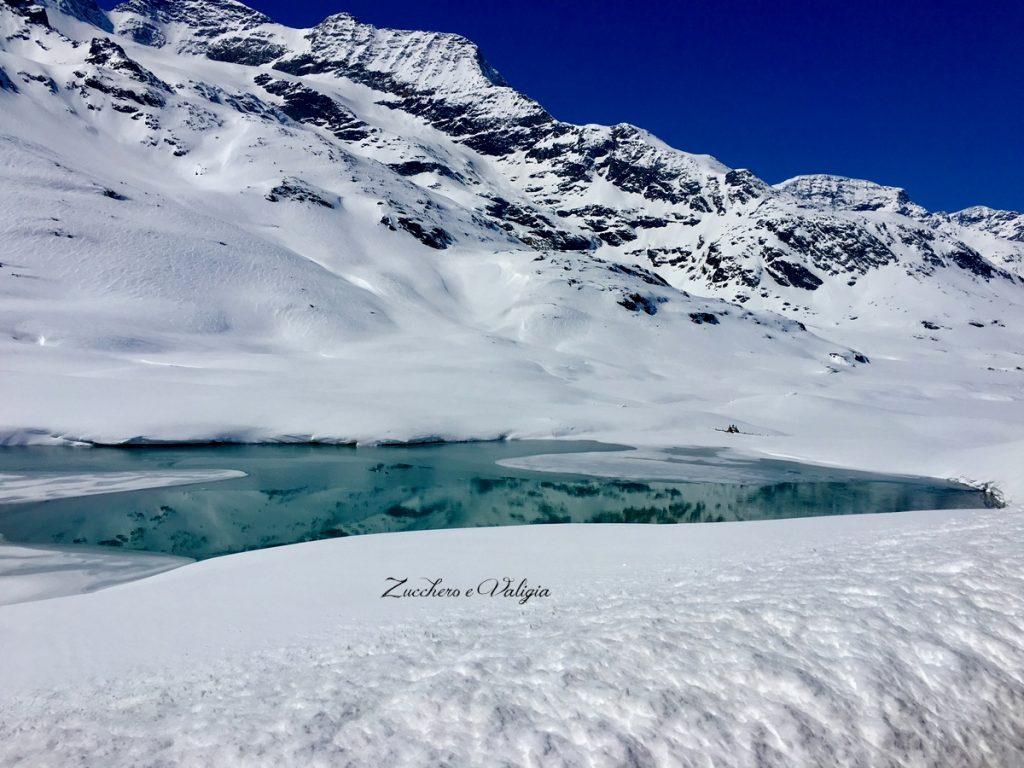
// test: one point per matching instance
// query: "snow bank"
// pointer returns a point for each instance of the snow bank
(871, 640)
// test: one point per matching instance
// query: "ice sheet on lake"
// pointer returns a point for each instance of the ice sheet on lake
(36, 573)
(687, 465)
(20, 488)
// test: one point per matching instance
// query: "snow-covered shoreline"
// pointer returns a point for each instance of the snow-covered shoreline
(841, 640)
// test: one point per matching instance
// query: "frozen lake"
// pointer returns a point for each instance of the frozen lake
(194, 501)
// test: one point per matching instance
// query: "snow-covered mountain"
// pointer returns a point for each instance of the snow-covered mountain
(196, 198)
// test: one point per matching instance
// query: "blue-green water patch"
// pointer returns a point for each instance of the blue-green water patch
(302, 493)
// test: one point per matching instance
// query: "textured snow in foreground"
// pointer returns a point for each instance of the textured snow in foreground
(876, 640)
(15, 488)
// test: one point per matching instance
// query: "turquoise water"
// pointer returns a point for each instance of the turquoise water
(302, 493)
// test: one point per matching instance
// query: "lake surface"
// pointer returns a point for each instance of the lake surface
(302, 493)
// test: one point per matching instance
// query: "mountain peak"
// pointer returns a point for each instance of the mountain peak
(1009, 225)
(341, 17)
(191, 11)
(155, 22)
(845, 193)
(426, 59)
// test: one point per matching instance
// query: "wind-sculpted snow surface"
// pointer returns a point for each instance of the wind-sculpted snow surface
(875, 641)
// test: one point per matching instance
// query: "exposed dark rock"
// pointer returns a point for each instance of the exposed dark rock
(969, 259)
(299, 191)
(144, 97)
(434, 237)
(702, 318)
(648, 222)
(640, 273)
(831, 245)
(104, 52)
(253, 50)
(660, 257)
(790, 274)
(637, 302)
(304, 105)
(589, 212)
(6, 84)
(652, 182)
(143, 33)
(48, 82)
(84, 10)
(853, 194)
(414, 167)
(540, 231)
(803, 234)
(469, 121)
(30, 11)
(721, 271)
(245, 103)
(743, 186)
(109, 59)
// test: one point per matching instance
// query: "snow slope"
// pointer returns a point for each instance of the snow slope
(845, 641)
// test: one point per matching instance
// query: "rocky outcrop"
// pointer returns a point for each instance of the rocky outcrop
(302, 192)
(305, 105)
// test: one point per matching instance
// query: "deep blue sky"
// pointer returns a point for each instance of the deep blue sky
(924, 95)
